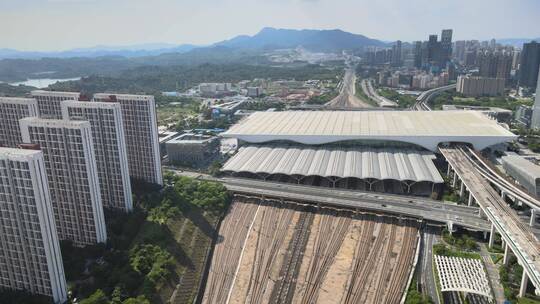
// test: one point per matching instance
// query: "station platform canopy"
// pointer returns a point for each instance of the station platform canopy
(423, 128)
(336, 163)
(461, 274)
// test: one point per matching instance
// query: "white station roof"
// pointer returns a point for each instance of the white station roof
(362, 163)
(423, 128)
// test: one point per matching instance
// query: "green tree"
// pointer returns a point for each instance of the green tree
(117, 295)
(151, 261)
(215, 168)
(97, 297)
(137, 300)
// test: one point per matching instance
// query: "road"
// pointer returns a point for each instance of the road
(422, 100)
(426, 275)
(383, 102)
(347, 97)
(411, 206)
(493, 274)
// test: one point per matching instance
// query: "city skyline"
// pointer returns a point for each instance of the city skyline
(165, 21)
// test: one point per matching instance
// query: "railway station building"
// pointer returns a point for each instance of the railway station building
(383, 151)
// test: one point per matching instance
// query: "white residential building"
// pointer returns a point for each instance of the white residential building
(72, 174)
(11, 110)
(49, 102)
(30, 257)
(109, 147)
(140, 129)
(480, 86)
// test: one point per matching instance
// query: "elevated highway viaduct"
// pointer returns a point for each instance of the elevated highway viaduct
(518, 237)
(432, 211)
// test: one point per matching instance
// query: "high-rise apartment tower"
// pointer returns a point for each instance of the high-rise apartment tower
(109, 147)
(72, 175)
(30, 257)
(49, 102)
(11, 110)
(140, 129)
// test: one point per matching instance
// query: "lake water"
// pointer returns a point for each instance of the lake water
(42, 82)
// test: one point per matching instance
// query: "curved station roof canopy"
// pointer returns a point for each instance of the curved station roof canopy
(336, 162)
(423, 128)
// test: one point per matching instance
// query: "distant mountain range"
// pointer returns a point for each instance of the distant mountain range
(516, 42)
(266, 39)
(139, 50)
(314, 40)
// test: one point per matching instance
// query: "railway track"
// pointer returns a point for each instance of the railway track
(358, 285)
(257, 234)
(328, 240)
(519, 235)
(271, 234)
(397, 283)
(284, 290)
(227, 252)
(498, 204)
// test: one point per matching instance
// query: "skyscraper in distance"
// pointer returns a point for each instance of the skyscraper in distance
(535, 120)
(396, 54)
(49, 102)
(72, 176)
(446, 47)
(433, 50)
(417, 54)
(109, 147)
(140, 129)
(30, 257)
(11, 110)
(530, 62)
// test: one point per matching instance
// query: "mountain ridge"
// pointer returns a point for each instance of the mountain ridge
(266, 39)
(311, 39)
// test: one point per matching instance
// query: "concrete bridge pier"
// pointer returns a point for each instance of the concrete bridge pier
(533, 218)
(450, 226)
(471, 199)
(507, 253)
(462, 189)
(492, 236)
(523, 286)
(481, 213)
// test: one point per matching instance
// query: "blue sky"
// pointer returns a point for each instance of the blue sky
(64, 24)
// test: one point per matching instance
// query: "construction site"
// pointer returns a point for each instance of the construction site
(273, 251)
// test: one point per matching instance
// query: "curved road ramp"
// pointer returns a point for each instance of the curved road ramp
(271, 251)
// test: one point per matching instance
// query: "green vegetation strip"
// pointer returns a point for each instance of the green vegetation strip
(159, 248)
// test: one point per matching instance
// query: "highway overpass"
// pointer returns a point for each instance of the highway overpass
(433, 211)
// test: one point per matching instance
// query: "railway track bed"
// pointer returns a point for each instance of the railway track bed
(285, 252)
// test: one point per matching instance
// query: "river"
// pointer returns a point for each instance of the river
(42, 82)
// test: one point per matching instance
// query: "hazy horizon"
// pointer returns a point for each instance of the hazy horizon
(56, 25)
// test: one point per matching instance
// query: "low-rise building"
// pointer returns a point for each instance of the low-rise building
(254, 91)
(192, 149)
(500, 114)
(525, 172)
(523, 115)
(480, 86)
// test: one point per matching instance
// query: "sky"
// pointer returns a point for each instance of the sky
(51, 25)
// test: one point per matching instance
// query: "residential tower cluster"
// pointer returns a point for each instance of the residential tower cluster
(63, 159)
